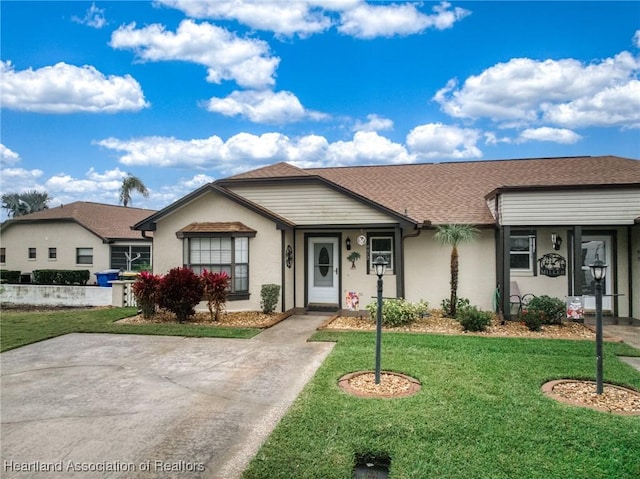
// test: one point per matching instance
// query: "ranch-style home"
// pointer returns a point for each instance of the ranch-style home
(76, 236)
(541, 222)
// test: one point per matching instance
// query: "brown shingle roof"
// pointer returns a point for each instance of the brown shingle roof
(277, 170)
(231, 227)
(455, 192)
(109, 222)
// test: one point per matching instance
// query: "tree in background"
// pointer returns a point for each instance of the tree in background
(453, 235)
(19, 204)
(129, 184)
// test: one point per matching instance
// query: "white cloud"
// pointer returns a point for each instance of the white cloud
(369, 21)
(435, 140)
(563, 92)
(166, 151)
(105, 185)
(374, 123)
(7, 156)
(366, 147)
(636, 39)
(618, 105)
(263, 106)
(307, 17)
(64, 88)
(244, 151)
(284, 18)
(226, 56)
(555, 135)
(94, 17)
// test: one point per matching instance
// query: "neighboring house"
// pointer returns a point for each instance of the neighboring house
(76, 236)
(295, 227)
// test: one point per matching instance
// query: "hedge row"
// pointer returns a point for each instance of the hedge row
(61, 276)
(9, 276)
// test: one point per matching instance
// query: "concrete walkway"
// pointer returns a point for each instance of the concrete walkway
(130, 406)
(624, 330)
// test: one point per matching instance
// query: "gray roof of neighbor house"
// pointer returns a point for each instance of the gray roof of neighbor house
(109, 222)
(456, 192)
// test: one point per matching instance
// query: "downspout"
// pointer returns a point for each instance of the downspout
(419, 227)
(283, 269)
(630, 269)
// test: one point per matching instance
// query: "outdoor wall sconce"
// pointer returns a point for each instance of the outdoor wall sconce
(289, 256)
(556, 241)
(348, 243)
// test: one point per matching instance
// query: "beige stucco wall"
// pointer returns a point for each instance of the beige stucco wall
(65, 237)
(264, 249)
(428, 266)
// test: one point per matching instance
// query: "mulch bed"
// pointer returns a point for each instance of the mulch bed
(242, 319)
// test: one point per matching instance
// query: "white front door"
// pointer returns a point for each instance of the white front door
(597, 247)
(322, 267)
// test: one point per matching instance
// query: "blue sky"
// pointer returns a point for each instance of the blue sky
(180, 93)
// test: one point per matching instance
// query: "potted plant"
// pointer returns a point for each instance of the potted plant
(353, 257)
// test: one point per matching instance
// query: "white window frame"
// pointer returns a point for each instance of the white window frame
(387, 254)
(238, 258)
(85, 255)
(530, 253)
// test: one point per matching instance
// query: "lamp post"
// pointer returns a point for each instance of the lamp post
(380, 265)
(598, 271)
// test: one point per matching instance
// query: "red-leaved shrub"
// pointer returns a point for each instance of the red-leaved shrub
(216, 287)
(145, 289)
(179, 292)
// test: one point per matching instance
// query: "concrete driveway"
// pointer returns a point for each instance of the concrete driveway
(116, 406)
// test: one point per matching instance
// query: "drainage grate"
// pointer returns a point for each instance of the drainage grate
(371, 466)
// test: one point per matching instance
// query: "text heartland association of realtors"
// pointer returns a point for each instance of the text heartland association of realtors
(105, 466)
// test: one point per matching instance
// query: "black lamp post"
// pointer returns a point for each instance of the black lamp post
(598, 271)
(380, 265)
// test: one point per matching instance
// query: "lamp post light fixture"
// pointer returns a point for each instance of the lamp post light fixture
(380, 266)
(598, 271)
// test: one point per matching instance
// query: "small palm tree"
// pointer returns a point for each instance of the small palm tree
(453, 235)
(129, 184)
(19, 204)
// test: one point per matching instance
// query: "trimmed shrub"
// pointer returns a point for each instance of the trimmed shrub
(398, 312)
(179, 292)
(532, 319)
(145, 289)
(461, 304)
(473, 319)
(215, 289)
(552, 310)
(61, 276)
(270, 294)
(9, 276)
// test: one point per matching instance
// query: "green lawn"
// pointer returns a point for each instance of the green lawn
(480, 413)
(21, 328)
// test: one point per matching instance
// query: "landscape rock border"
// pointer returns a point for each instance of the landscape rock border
(404, 387)
(548, 389)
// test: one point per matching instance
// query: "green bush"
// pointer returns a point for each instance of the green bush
(9, 276)
(473, 319)
(61, 276)
(398, 312)
(461, 304)
(532, 319)
(269, 294)
(551, 310)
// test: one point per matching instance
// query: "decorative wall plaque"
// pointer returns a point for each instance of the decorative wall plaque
(553, 265)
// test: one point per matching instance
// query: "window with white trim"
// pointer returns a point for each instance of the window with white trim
(84, 255)
(220, 253)
(381, 245)
(522, 252)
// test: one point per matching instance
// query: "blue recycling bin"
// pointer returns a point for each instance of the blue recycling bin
(103, 277)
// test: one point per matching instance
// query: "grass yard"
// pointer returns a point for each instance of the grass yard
(480, 413)
(19, 328)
